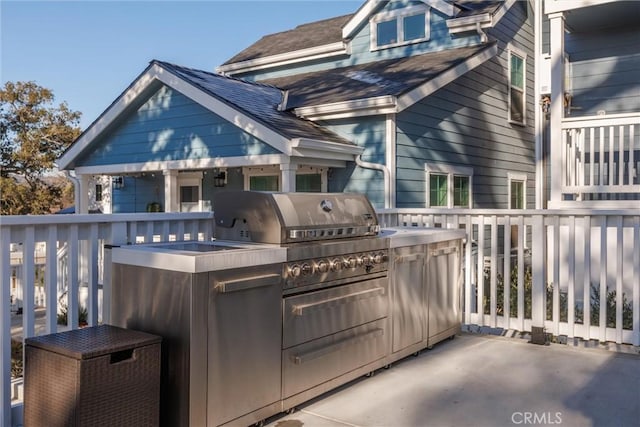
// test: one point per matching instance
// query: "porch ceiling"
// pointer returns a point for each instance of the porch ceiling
(601, 17)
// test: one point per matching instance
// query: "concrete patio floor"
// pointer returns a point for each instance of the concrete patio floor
(486, 381)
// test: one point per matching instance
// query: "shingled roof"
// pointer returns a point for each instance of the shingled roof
(389, 77)
(329, 31)
(304, 36)
(260, 101)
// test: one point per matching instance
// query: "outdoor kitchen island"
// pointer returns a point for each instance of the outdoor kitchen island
(302, 293)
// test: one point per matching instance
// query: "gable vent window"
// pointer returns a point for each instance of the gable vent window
(517, 93)
(399, 27)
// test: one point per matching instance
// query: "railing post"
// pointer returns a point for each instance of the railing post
(118, 237)
(538, 271)
(5, 327)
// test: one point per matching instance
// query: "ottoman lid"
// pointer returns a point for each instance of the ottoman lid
(93, 341)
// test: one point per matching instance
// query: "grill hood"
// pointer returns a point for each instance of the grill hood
(281, 218)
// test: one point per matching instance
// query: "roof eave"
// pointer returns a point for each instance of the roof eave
(358, 107)
(303, 55)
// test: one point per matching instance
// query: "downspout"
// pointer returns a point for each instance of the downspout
(483, 36)
(76, 189)
(387, 177)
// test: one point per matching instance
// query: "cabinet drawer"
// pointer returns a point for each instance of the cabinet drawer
(313, 363)
(318, 314)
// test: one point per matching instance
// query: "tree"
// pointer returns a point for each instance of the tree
(33, 134)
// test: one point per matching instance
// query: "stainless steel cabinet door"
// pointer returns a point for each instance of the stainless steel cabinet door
(244, 342)
(445, 313)
(409, 307)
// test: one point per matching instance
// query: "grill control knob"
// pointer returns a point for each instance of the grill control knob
(322, 266)
(350, 262)
(294, 270)
(379, 258)
(306, 269)
(335, 265)
(362, 260)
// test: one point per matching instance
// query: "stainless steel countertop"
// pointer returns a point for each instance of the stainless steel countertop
(412, 236)
(198, 257)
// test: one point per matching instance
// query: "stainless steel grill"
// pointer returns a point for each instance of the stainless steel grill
(329, 236)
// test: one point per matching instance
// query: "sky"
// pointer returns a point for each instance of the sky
(88, 52)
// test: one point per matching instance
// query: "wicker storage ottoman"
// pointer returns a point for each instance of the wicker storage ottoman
(97, 376)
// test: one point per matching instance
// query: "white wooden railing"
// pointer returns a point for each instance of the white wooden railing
(75, 245)
(545, 268)
(601, 157)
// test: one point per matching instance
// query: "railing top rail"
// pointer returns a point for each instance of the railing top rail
(26, 220)
(512, 212)
(605, 120)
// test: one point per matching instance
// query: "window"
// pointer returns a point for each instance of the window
(189, 194)
(517, 191)
(400, 27)
(264, 183)
(448, 186)
(517, 87)
(311, 183)
(98, 192)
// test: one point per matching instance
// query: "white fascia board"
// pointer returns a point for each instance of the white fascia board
(112, 113)
(502, 11)
(556, 6)
(317, 112)
(302, 55)
(442, 6)
(415, 95)
(331, 147)
(362, 15)
(189, 164)
(223, 110)
(469, 23)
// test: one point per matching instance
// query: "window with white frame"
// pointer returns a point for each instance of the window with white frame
(517, 86)
(399, 27)
(448, 186)
(267, 178)
(517, 192)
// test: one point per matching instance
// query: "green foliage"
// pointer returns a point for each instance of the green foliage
(83, 315)
(33, 134)
(627, 308)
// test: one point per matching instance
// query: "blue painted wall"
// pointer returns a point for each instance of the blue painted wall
(361, 53)
(368, 132)
(138, 192)
(169, 126)
(466, 124)
(605, 71)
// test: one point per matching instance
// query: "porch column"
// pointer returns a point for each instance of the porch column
(288, 177)
(82, 202)
(171, 196)
(557, 106)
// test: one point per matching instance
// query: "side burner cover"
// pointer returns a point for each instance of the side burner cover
(280, 218)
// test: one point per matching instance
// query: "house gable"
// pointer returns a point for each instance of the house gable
(170, 127)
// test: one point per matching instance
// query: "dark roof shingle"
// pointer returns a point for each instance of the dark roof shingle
(389, 77)
(304, 36)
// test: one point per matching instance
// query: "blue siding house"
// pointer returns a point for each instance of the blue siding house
(414, 103)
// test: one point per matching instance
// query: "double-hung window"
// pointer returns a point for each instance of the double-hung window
(399, 27)
(448, 186)
(517, 191)
(517, 80)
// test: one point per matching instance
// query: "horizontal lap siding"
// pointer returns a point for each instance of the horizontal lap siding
(137, 193)
(605, 71)
(465, 124)
(170, 126)
(368, 132)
